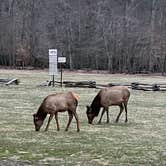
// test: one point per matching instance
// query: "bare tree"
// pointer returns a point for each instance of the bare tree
(153, 15)
(12, 33)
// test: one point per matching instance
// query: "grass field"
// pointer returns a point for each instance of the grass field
(142, 141)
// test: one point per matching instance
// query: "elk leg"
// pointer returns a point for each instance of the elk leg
(76, 117)
(70, 119)
(121, 110)
(108, 120)
(50, 118)
(103, 111)
(56, 119)
(125, 105)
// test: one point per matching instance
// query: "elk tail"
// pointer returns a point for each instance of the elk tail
(76, 96)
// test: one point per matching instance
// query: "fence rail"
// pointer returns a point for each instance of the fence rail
(133, 85)
(9, 81)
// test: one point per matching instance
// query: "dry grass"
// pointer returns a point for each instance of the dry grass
(139, 142)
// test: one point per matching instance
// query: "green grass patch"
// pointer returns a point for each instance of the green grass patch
(141, 141)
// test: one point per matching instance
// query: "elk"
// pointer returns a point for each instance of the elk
(115, 95)
(54, 103)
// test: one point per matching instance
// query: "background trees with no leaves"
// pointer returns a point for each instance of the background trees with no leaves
(115, 35)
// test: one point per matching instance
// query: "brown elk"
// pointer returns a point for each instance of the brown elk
(54, 103)
(116, 95)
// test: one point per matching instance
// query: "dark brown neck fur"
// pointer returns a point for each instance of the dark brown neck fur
(96, 104)
(40, 113)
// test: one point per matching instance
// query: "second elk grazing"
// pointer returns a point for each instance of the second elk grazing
(54, 103)
(116, 95)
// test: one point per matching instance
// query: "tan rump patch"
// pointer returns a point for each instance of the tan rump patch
(76, 96)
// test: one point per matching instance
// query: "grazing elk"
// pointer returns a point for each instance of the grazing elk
(115, 95)
(54, 103)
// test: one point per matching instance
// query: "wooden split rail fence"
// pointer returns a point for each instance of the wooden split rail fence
(9, 81)
(148, 87)
(133, 85)
(93, 84)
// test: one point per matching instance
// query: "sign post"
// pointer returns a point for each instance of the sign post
(53, 64)
(61, 60)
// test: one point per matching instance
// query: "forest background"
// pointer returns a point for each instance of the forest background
(120, 36)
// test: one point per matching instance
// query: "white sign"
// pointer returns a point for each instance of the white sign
(53, 52)
(53, 62)
(61, 59)
(52, 59)
(53, 69)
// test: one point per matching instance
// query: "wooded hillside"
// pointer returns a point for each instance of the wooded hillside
(115, 35)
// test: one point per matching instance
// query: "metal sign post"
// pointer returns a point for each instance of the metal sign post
(53, 64)
(61, 60)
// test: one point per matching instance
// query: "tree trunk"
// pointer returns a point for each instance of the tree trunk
(11, 50)
(32, 33)
(153, 13)
(69, 45)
